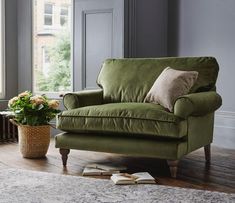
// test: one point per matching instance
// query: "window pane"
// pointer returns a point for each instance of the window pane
(63, 20)
(51, 48)
(46, 56)
(48, 9)
(47, 20)
(64, 11)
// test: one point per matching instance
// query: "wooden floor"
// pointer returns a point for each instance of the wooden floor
(192, 172)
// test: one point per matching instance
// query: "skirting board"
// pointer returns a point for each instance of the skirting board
(224, 129)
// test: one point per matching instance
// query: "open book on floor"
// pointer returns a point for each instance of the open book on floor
(135, 178)
(101, 169)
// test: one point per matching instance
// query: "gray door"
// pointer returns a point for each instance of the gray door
(98, 35)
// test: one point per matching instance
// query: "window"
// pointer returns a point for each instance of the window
(2, 49)
(52, 66)
(64, 16)
(48, 14)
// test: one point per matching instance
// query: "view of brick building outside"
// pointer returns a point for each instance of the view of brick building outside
(49, 19)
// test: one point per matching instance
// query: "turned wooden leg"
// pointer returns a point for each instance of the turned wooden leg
(207, 150)
(64, 155)
(173, 165)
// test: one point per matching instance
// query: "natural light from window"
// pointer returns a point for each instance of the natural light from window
(52, 36)
(2, 47)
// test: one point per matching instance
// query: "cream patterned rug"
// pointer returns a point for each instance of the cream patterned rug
(22, 186)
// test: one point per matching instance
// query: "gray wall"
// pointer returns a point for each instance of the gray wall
(207, 27)
(11, 51)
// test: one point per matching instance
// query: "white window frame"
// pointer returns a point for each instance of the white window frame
(46, 14)
(2, 47)
(56, 95)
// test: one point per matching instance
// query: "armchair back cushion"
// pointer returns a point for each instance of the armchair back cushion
(129, 80)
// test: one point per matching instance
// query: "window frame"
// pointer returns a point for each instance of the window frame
(2, 38)
(46, 14)
(45, 63)
(54, 95)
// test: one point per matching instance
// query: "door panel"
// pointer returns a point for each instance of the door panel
(98, 43)
(98, 35)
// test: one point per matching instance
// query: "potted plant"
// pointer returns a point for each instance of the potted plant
(32, 115)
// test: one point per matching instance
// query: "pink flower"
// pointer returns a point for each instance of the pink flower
(37, 100)
(54, 104)
(12, 101)
(23, 94)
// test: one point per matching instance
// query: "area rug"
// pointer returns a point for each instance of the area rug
(24, 186)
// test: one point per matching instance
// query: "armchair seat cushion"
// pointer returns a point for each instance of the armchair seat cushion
(143, 119)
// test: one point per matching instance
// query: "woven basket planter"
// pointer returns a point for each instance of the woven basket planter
(34, 140)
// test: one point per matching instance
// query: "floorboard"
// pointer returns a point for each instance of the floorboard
(192, 172)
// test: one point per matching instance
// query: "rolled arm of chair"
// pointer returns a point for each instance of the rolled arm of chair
(197, 104)
(83, 98)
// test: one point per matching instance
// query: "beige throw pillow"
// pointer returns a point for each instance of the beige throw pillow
(169, 86)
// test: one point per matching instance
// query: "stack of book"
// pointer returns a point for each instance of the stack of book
(101, 169)
(116, 176)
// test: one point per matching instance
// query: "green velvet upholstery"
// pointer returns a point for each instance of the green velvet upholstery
(197, 104)
(83, 98)
(128, 118)
(115, 119)
(200, 131)
(129, 80)
(134, 146)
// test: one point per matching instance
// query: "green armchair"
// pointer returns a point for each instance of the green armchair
(114, 118)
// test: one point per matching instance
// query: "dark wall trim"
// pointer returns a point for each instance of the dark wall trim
(25, 45)
(173, 28)
(130, 28)
(11, 48)
(145, 28)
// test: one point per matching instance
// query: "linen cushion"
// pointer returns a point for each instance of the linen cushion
(126, 119)
(169, 86)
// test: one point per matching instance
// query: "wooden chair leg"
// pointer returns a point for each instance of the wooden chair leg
(207, 150)
(64, 155)
(173, 165)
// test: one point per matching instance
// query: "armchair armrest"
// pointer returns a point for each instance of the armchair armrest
(197, 104)
(83, 98)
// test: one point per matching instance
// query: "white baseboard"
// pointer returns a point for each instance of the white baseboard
(226, 114)
(224, 129)
(225, 119)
